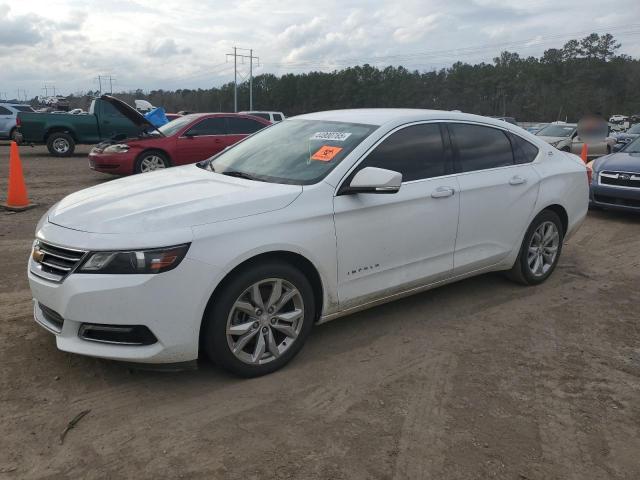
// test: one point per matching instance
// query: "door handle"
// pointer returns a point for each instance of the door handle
(517, 180)
(442, 192)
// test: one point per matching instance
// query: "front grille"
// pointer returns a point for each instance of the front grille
(51, 316)
(620, 179)
(625, 202)
(53, 262)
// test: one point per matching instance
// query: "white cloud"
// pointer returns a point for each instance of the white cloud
(151, 44)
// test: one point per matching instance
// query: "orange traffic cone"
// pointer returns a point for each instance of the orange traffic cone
(584, 154)
(17, 199)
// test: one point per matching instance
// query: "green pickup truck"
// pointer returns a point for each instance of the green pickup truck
(61, 132)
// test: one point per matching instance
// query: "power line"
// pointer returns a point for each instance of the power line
(251, 58)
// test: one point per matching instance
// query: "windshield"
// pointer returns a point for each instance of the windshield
(635, 129)
(633, 147)
(556, 131)
(300, 152)
(173, 126)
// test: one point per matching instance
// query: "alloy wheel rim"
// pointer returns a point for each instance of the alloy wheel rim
(61, 145)
(265, 321)
(151, 162)
(543, 248)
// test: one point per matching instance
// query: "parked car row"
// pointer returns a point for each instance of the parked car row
(564, 136)
(187, 139)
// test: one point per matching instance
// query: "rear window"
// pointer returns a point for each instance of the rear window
(523, 151)
(4, 111)
(277, 117)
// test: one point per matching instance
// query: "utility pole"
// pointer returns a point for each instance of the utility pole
(251, 58)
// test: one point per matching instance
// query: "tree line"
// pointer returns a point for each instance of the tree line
(584, 76)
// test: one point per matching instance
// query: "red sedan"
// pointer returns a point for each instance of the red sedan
(187, 139)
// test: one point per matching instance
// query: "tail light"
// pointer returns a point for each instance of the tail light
(18, 121)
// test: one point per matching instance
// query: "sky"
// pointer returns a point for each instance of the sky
(153, 44)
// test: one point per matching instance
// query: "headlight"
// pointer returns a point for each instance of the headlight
(157, 260)
(117, 148)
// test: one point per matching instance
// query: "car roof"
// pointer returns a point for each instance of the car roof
(382, 116)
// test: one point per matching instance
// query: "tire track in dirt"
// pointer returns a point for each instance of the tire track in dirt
(422, 444)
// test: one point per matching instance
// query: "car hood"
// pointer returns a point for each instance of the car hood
(551, 139)
(620, 161)
(169, 199)
(131, 113)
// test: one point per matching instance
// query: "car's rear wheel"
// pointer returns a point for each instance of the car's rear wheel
(61, 144)
(150, 161)
(540, 250)
(259, 320)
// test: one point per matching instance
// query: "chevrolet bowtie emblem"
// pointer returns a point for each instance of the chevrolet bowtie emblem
(37, 255)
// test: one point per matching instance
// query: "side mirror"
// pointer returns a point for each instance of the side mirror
(189, 135)
(617, 147)
(375, 180)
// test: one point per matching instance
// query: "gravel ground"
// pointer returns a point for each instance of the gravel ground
(479, 379)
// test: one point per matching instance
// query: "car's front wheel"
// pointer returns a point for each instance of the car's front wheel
(150, 161)
(260, 319)
(540, 250)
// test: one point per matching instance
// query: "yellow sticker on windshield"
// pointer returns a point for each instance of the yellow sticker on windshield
(326, 153)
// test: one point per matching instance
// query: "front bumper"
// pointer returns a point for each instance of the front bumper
(169, 304)
(617, 198)
(115, 163)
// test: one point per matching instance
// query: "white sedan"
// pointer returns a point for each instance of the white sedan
(305, 221)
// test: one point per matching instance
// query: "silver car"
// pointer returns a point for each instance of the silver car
(8, 116)
(564, 136)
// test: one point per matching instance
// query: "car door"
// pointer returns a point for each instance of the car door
(498, 191)
(201, 140)
(240, 127)
(6, 119)
(388, 243)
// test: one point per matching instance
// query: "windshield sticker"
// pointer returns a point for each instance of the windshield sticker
(335, 136)
(326, 153)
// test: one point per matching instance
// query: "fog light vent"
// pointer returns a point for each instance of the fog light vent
(117, 334)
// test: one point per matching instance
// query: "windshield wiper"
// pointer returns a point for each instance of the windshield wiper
(235, 173)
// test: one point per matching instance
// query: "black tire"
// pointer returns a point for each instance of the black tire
(521, 271)
(138, 167)
(214, 338)
(61, 144)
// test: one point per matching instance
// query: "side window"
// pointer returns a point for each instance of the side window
(261, 115)
(23, 108)
(481, 147)
(109, 110)
(5, 111)
(208, 126)
(243, 126)
(523, 151)
(277, 117)
(416, 151)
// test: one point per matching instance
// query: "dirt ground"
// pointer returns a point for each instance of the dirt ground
(480, 379)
